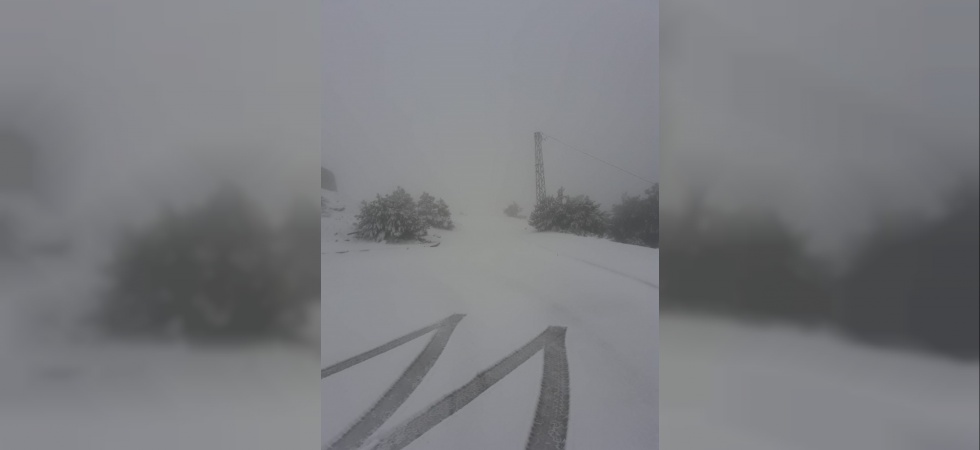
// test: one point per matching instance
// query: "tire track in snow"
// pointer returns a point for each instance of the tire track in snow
(550, 427)
(551, 417)
(634, 278)
(348, 363)
(611, 354)
(607, 269)
(398, 393)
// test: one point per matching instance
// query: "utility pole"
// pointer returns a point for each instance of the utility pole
(539, 166)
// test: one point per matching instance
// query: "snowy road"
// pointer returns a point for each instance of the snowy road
(589, 307)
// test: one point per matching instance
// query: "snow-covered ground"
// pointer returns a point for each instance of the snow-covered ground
(734, 386)
(62, 387)
(511, 284)
(727, 385)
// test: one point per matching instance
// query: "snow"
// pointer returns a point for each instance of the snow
(736, 386)
(511, 283)
(727, 385)
(62, 386)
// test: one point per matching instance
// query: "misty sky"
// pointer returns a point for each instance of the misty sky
(144, 100)
(834, 112)
(445, 96)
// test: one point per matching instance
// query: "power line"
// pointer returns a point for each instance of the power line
(599, 159)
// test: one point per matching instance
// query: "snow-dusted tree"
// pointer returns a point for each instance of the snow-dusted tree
(586, 218)
(444, 218)
(636, 220)
(547, 214)
(213, 271)
(299, 239)
(427, 209)
(577, 215)
(435, 213)
(513, 210)
(392, 218)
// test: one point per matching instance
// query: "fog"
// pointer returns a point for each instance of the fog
(836, 114)
(139, 102)
(128, 105)
(445, 96)
(833, 112)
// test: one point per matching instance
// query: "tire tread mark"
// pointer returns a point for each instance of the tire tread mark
(403, 387)
(554, 418)
(353, 361)
(551, 417)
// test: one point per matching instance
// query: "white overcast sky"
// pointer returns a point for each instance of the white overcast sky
(444, 96)
(138, 96)
(831, 111)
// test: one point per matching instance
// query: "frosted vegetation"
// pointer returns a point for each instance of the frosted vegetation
(397, 217)
(913, 286)
(635, 220)
(218, 270)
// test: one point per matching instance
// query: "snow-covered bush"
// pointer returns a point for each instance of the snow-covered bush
(513, 210)
(435, 213)
(577, 215)
(753, 264)
(917, 282)
(391, 218)
(636, 220)
(427, 208)
(213, 271)
(749, 263)
(299, 240)
(444, 219)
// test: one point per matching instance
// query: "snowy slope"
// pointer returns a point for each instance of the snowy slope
(732, 386)
(62, 387)
(511, 284)
(736, 387)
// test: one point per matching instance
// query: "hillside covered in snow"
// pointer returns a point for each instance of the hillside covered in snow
(493, 285)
